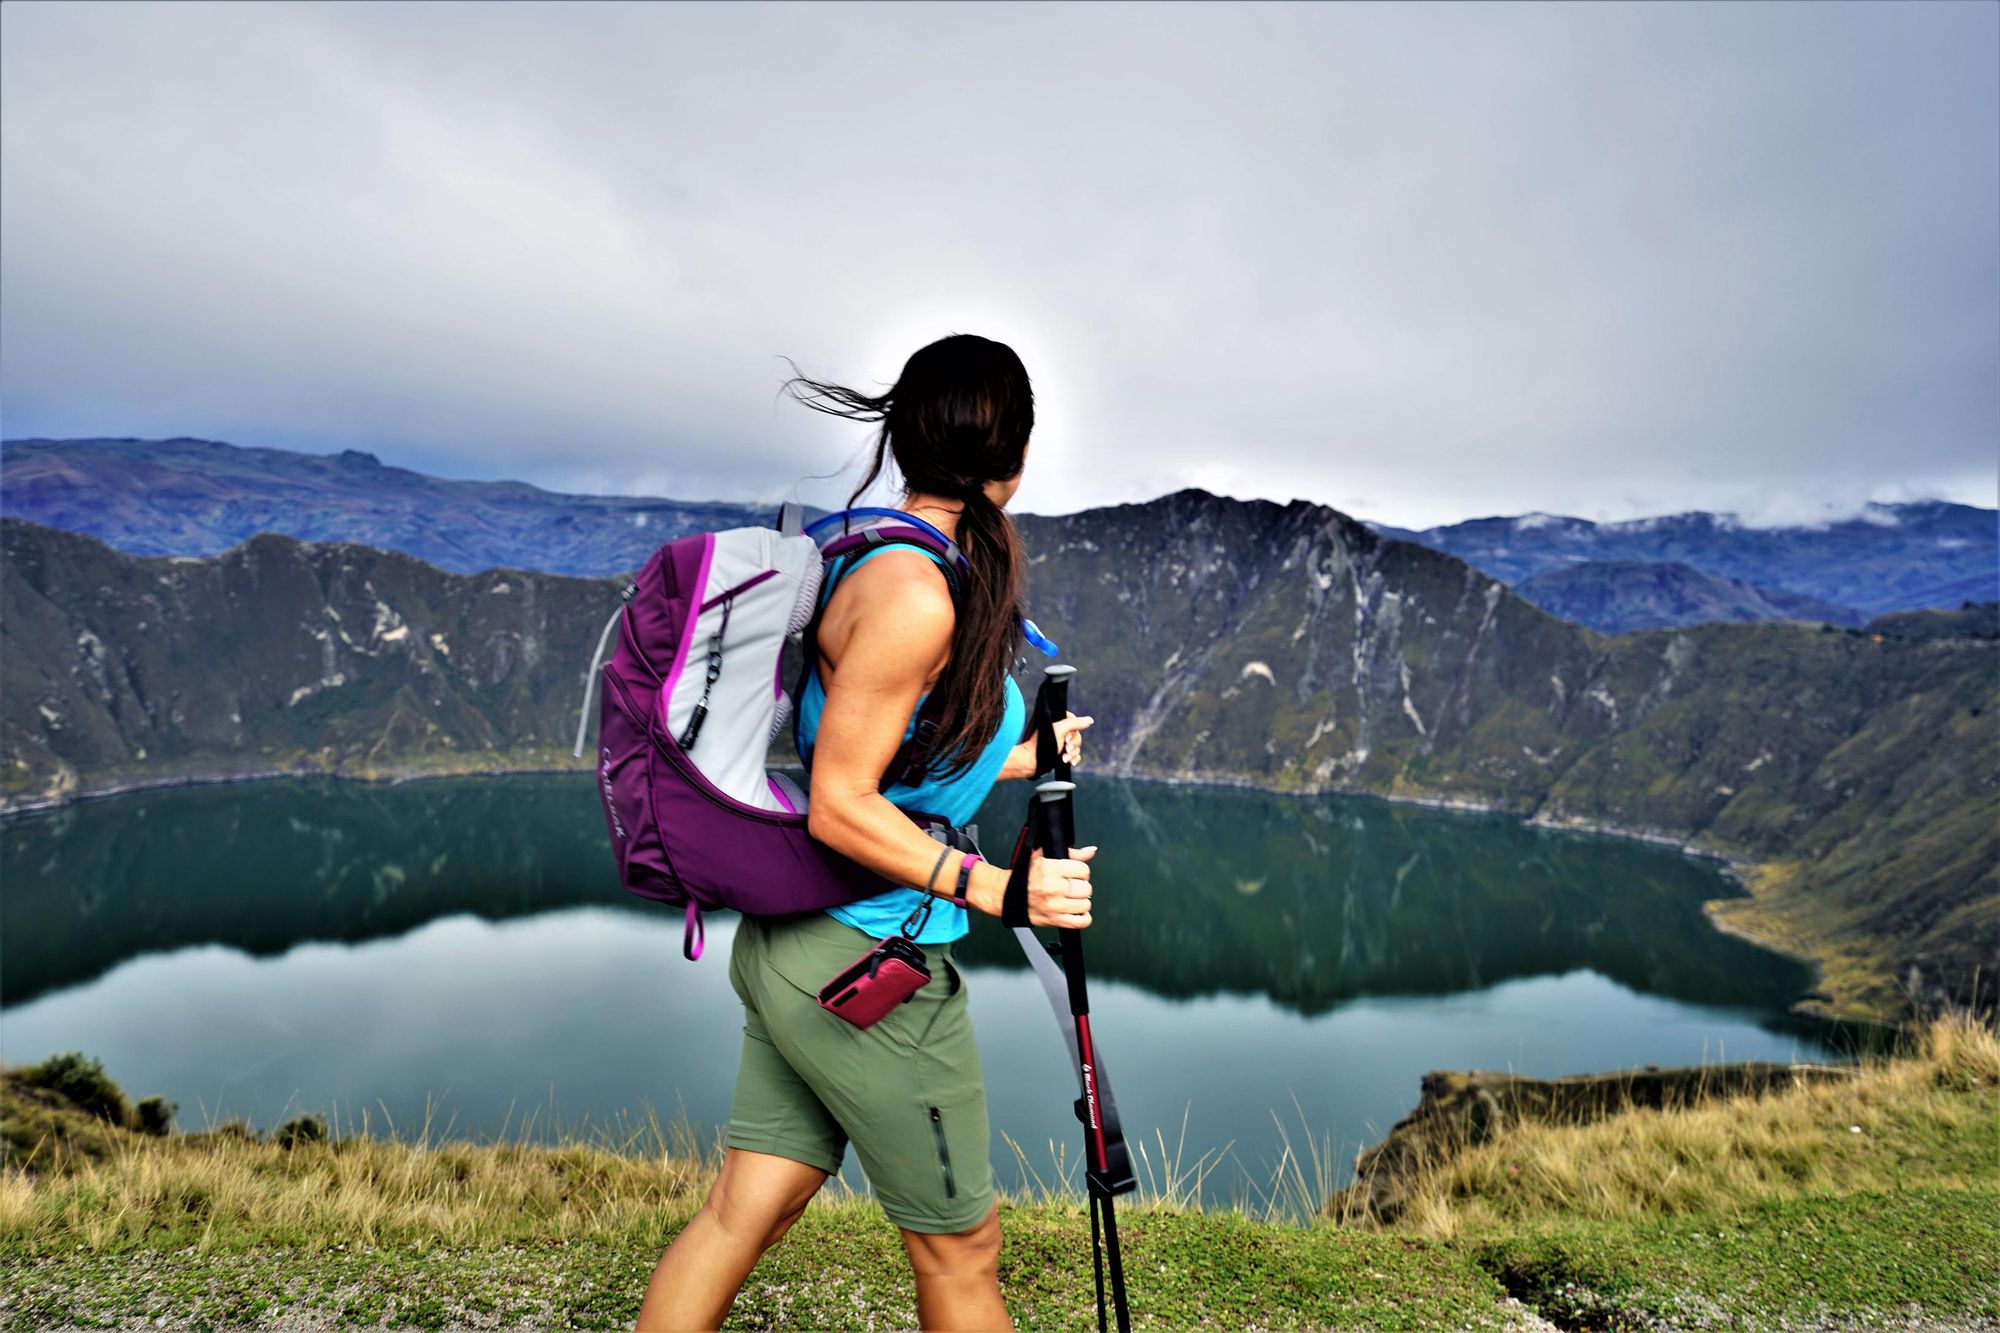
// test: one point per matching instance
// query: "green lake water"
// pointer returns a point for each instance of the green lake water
(1263, 967)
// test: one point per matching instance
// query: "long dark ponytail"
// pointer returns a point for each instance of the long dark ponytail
(957, 417)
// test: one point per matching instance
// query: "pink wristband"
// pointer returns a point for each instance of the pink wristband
(964, 879)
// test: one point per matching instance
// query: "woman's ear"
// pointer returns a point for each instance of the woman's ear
(1009, 486)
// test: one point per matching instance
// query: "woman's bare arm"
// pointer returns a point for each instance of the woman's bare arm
(886, 641)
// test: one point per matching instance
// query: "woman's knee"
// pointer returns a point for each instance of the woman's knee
(971, 1253)
(759, 1206)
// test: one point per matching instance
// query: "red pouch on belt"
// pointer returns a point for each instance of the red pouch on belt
(876, 982)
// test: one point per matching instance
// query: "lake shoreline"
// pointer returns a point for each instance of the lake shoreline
(384, 777)
(1730, 864)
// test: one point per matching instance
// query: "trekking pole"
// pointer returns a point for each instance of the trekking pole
(1108, 1169)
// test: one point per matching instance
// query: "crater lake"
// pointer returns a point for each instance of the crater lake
(1269, 973)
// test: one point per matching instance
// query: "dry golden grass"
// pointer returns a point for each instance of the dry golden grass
(357, 1189)
(1927, 1116)
(88, 1183)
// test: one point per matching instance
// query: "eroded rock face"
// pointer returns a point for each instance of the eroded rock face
(278, 656)
(1458, 1110)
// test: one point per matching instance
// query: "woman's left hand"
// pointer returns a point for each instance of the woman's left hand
(1069, 735)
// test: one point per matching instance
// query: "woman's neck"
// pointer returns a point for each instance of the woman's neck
(940, 511)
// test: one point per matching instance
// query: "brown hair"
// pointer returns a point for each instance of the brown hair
(957, 417)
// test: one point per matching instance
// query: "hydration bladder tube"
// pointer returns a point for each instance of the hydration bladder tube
(590, 672)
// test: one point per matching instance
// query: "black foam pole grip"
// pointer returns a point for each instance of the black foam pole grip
(1049, 821)
(1051, 706)
(1053, 698)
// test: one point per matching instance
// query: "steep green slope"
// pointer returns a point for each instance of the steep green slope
(277, 657)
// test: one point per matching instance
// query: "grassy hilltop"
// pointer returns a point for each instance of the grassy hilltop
(1871, 1200)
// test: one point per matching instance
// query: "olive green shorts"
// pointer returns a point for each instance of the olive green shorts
(908, 1091)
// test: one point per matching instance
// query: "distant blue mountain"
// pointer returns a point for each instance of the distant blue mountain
(201, 497)
(1619, 596)
(1890, 557)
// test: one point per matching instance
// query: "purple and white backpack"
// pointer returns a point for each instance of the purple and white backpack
(693, 696)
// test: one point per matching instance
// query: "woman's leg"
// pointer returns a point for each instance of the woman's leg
(753, 1203)
(958, 1276)
(782, 1146)
(907, 1092)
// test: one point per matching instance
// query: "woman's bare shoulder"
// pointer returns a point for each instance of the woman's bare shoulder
(900, 595)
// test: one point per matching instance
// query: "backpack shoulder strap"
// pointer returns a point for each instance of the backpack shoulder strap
(842, 565)
(907, 764)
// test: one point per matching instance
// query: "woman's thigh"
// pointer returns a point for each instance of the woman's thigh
(774, 1111)
(908, 1092)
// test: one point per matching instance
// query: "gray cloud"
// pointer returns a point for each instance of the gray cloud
(1417, 262)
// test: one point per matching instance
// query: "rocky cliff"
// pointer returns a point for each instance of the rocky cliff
(1458, 1110)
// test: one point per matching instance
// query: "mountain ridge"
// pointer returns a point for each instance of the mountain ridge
(189, 496)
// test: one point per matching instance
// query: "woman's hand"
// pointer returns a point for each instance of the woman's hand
(1069, 735)
(1059, 889)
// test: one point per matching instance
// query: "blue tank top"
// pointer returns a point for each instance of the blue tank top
(957, 800)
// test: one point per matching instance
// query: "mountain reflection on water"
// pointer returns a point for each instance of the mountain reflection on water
(1308, 901)
(1312, 901)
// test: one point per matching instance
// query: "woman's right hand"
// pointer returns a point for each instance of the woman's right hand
(1059, 889)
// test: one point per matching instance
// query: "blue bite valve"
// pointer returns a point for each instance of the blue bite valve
(1039, 639)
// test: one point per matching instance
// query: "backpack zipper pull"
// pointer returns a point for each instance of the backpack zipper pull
(701, 705)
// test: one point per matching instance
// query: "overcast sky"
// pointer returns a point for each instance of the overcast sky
(1420, 263)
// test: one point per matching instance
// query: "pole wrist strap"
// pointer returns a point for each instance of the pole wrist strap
(1014, 906)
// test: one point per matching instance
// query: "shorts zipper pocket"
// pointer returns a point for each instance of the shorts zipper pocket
(944, 1154)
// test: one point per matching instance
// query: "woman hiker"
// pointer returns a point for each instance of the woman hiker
(907, 1091)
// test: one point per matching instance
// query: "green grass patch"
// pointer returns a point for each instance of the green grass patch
(841, 1267)
(1850, 1258)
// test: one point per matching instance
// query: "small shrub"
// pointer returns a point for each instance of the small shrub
(82, 1081)
(155, 1116)
(301, 1131)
